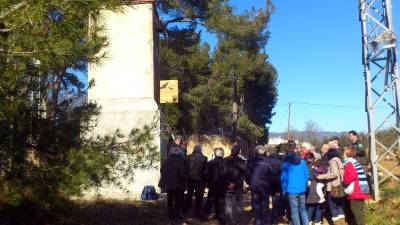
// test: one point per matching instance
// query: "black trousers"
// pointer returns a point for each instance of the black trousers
(197, 188)
(174, 203)
(214, 198)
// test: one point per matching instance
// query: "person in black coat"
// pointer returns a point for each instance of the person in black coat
(234, 173)
(195, 167)
(361, 156)
(261, 177)
(215, 185)
(279, 203)
(173, 181)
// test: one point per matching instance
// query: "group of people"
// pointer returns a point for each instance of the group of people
(303, 183)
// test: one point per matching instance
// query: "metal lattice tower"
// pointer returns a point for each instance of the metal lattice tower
(379, 52)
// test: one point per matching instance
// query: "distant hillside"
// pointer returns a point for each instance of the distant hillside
(318, 135)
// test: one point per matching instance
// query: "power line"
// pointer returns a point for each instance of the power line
(322, 105)
(329, 105)
(282, 120)
(281, 105)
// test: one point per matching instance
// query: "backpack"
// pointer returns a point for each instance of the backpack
(149, 193)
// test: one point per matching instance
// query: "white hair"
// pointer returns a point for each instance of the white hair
(219, 152)
(259, 150)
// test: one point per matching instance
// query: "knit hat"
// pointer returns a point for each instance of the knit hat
(235, 150)
(197, 148)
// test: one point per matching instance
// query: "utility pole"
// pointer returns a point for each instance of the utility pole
(235, 109)
(379, 58)
(288, 126)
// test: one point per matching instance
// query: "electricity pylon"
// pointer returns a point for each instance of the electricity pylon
(379, 58)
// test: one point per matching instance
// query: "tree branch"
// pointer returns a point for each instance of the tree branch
(5, 30)
(184, 20)
(17, 53)
(12, 9)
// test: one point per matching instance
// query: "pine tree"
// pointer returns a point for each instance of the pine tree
(206, 106)
(46, 153)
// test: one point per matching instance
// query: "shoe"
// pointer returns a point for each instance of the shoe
(335, 218)
(319, 223)
(341, 216)
(310, 223)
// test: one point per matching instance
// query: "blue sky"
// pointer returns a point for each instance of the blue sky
(316, 48)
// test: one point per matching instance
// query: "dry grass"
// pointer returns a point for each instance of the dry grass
(387, 210)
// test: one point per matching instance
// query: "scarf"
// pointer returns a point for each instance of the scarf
(362, 177)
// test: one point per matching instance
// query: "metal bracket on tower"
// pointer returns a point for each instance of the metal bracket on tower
(379, 58)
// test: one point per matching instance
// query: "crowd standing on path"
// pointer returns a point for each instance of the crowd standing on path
(305, 184)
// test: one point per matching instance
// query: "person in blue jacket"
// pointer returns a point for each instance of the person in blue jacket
(294, 177)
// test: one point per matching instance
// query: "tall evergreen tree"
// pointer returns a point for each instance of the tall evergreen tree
(240, 56)
(46, 153)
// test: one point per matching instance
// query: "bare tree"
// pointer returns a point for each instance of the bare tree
(310, 129)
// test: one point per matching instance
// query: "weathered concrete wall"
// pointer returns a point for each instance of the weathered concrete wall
(125, 86)
(128, 71)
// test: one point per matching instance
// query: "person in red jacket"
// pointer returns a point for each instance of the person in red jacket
(357, 186)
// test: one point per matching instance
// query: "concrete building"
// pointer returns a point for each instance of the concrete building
(127, 83)
(274, 141)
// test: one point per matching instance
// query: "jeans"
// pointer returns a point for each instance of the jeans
(315, 212)
(233, 208)
(174, 203)
(260, 208)
(335, 205)
(196, 187)
(298, 209)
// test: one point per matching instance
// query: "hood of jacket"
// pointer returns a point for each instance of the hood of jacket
(293, 158)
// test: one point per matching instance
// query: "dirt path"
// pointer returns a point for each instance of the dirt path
(146, 213)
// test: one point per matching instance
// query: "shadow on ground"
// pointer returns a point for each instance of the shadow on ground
(113, 213)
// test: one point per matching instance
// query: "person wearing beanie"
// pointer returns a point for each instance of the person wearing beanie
(261, 174)
(195, 166)
(234, 173)
(215, 196)
(173, 181)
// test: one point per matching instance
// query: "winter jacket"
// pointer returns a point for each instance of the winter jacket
(312, 196)
(213, 174)
(294, 175)
(174, 145)
(172, 173)
(353, 172)
(361, 155)
(335, 174)
(276, 164)
(195, 166)
(262, 175)
(234, 173)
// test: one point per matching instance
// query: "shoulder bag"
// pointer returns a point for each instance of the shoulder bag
(338, 191)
